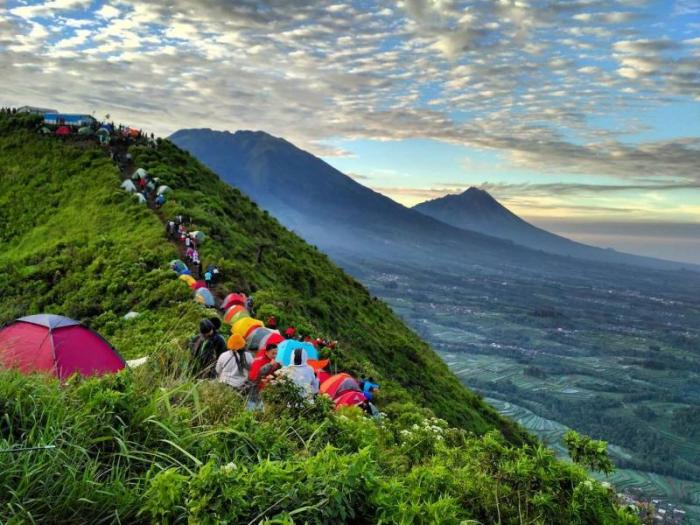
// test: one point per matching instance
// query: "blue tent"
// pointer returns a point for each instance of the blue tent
(108, 127)
(65, 119)
(286, 348)
(179, 267)
(205, 297)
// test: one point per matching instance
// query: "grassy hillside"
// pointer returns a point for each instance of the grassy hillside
(79, 246)
(153, 446)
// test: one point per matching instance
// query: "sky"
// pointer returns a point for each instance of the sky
(583, 116)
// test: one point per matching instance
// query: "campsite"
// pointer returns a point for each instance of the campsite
(159, 443)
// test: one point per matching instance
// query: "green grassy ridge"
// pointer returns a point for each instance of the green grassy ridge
(152, 446)
(301, 286)
(81, 247)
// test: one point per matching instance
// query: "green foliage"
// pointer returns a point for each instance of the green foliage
(588, 452)
(153, 446)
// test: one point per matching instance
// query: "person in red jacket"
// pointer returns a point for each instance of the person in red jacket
(320, 368)
(264, 366)
(289, 332)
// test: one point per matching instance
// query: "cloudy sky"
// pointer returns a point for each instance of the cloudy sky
(581, 115)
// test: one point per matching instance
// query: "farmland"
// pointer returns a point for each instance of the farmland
(619, 360)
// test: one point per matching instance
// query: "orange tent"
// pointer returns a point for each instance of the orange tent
(338, 384)
(235, 311)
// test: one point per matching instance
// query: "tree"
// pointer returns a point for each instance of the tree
(587, 452)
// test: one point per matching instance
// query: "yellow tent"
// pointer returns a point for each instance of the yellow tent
(243, 326)
(188, 279)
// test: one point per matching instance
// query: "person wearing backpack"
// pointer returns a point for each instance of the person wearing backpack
(233, 366)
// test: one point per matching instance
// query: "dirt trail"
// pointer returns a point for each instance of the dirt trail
(127, 167)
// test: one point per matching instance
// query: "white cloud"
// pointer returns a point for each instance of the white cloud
(518, 77)
(107, 11)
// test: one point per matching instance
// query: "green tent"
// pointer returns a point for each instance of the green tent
(85, 130)
(45, 131)
(102, 131)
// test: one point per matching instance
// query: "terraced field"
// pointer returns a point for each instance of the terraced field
(617, 361)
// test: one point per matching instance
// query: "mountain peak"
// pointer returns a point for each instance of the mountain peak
(474, 193)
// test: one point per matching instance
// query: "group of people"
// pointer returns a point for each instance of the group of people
(229, 363)
(177, 231)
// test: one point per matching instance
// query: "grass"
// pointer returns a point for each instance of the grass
(153, 446)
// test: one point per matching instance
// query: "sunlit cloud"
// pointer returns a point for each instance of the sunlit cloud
(554, 89)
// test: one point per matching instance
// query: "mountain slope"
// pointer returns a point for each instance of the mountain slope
(90, 253)
(335, 212)
(154, 446)
(477, 210)
(329, 208)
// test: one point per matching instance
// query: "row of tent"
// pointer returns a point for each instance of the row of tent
(79, 127)
(151, 185)
(342, 388)
(202, 294)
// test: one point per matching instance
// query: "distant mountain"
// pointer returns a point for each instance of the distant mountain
(478, 211)
(344, 218)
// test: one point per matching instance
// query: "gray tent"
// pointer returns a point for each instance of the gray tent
(163, 189)
(140, 198)
(129, 186)
(141, 173)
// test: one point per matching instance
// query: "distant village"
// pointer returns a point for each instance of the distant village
(654, 511)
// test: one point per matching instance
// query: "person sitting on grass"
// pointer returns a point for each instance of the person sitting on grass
(301, 373)
(233, 365)
(206, 348)
(264, 366)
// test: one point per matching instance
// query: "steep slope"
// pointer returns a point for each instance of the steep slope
(91, 253)
(151, 445)
(343, 217)
(331, 210)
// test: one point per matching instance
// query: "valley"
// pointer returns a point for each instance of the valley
(619, 362)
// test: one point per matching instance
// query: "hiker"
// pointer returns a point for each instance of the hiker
(188, 241)
(301, 373)
(249, 305)
(289, 332)
(197, 267)
(369, 388)
(195, 256)
(159, 200)
(264, 366)
(233, 365)
(171, 229)
(206, 347)
(322, 374)
(188, 254)
(207, 278)
(271, 322)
